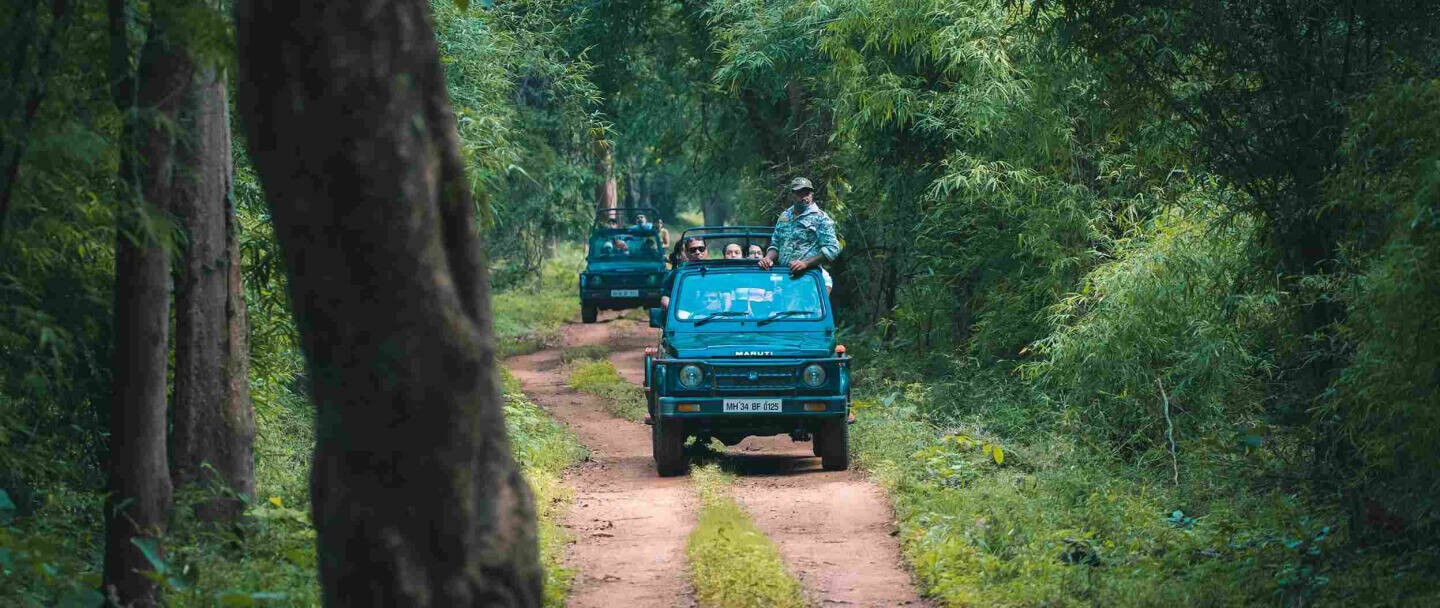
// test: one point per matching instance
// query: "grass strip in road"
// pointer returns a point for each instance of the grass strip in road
(595, 352)
(544, 448)
(732, 563)
(599, 377)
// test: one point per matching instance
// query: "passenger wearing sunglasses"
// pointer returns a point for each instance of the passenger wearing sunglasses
(694, 251)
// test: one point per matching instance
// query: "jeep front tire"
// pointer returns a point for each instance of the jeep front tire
(668, 445)
(834, 445)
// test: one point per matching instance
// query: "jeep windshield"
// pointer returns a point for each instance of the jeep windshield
(622, 245)
(747, 296)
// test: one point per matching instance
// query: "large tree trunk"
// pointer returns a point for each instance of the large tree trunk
(140, 491)
(417, 499)
(213, 421)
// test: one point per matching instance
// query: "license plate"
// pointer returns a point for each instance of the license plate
(752, 406)
(624, 293)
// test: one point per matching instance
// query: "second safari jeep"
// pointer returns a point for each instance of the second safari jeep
(624, 264)
(745, 351)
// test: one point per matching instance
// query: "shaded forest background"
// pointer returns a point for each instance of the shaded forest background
(1199, 240)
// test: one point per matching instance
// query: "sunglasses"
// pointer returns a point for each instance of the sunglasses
(696, 249)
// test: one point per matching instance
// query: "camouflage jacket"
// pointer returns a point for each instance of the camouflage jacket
(808, 233)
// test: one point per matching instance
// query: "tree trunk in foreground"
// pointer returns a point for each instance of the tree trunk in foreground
(140, 490)
(417, 499)
(214, 424)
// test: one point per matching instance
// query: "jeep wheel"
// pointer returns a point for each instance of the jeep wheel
(588, 313)
(668, 445)
(816, 441)
(834, 445)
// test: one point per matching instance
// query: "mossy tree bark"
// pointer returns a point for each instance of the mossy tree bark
(417, 499)
(214, 423)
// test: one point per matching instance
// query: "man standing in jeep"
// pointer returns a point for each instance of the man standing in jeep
(804, 235)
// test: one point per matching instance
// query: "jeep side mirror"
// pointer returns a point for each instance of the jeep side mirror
(657, 317)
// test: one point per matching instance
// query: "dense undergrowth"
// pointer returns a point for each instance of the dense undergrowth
(1001, 502)
(50, 552)
(529, 312)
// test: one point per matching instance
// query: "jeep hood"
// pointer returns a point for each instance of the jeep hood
(752, 343)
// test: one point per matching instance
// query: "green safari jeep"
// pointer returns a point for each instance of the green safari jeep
(745, 351)
(624, 264)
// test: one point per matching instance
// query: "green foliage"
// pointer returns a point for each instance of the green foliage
(1160, 326)
(526, 114)
(1058, 523)
(733, 563)
(599, 378)
(1385, 399)
(528, 315)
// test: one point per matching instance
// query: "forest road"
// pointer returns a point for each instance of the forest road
(833, 529)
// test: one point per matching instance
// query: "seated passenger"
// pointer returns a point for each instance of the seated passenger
(621, 248)
(692, 251)
(732, 252)
(648, 248)
(756, 252)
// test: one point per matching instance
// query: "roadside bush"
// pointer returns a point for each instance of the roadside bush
(1385, 401)
(1156, 344)
(528, 316)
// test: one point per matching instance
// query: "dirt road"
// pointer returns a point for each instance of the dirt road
(630, 525)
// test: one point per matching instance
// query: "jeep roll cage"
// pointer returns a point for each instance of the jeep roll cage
(740, 235)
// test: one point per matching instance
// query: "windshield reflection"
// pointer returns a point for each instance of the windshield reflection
(769, 296)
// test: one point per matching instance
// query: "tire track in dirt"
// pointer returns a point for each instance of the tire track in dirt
(629, 525)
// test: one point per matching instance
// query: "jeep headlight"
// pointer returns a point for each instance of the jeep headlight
(652, 279)
(595, 280)
(691, 376)
(813, 375)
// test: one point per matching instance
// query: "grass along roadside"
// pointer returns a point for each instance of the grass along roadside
(599, 377)
(1044, 520)
(544, 449)
(528, 315)
(733, 563)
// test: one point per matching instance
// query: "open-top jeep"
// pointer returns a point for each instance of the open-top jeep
(745, 351)
(625, 263)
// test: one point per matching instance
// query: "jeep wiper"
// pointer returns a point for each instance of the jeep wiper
(782, 313)
(716, 315)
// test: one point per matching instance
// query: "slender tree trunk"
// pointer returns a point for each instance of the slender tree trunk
(417, 499)
(606, 192)
(715, 209)
(140, 490)
(214, 424)
(26, 94)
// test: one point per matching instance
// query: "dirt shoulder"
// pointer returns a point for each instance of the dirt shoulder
(629, 525)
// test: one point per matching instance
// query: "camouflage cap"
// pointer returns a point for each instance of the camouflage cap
(800, 183)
